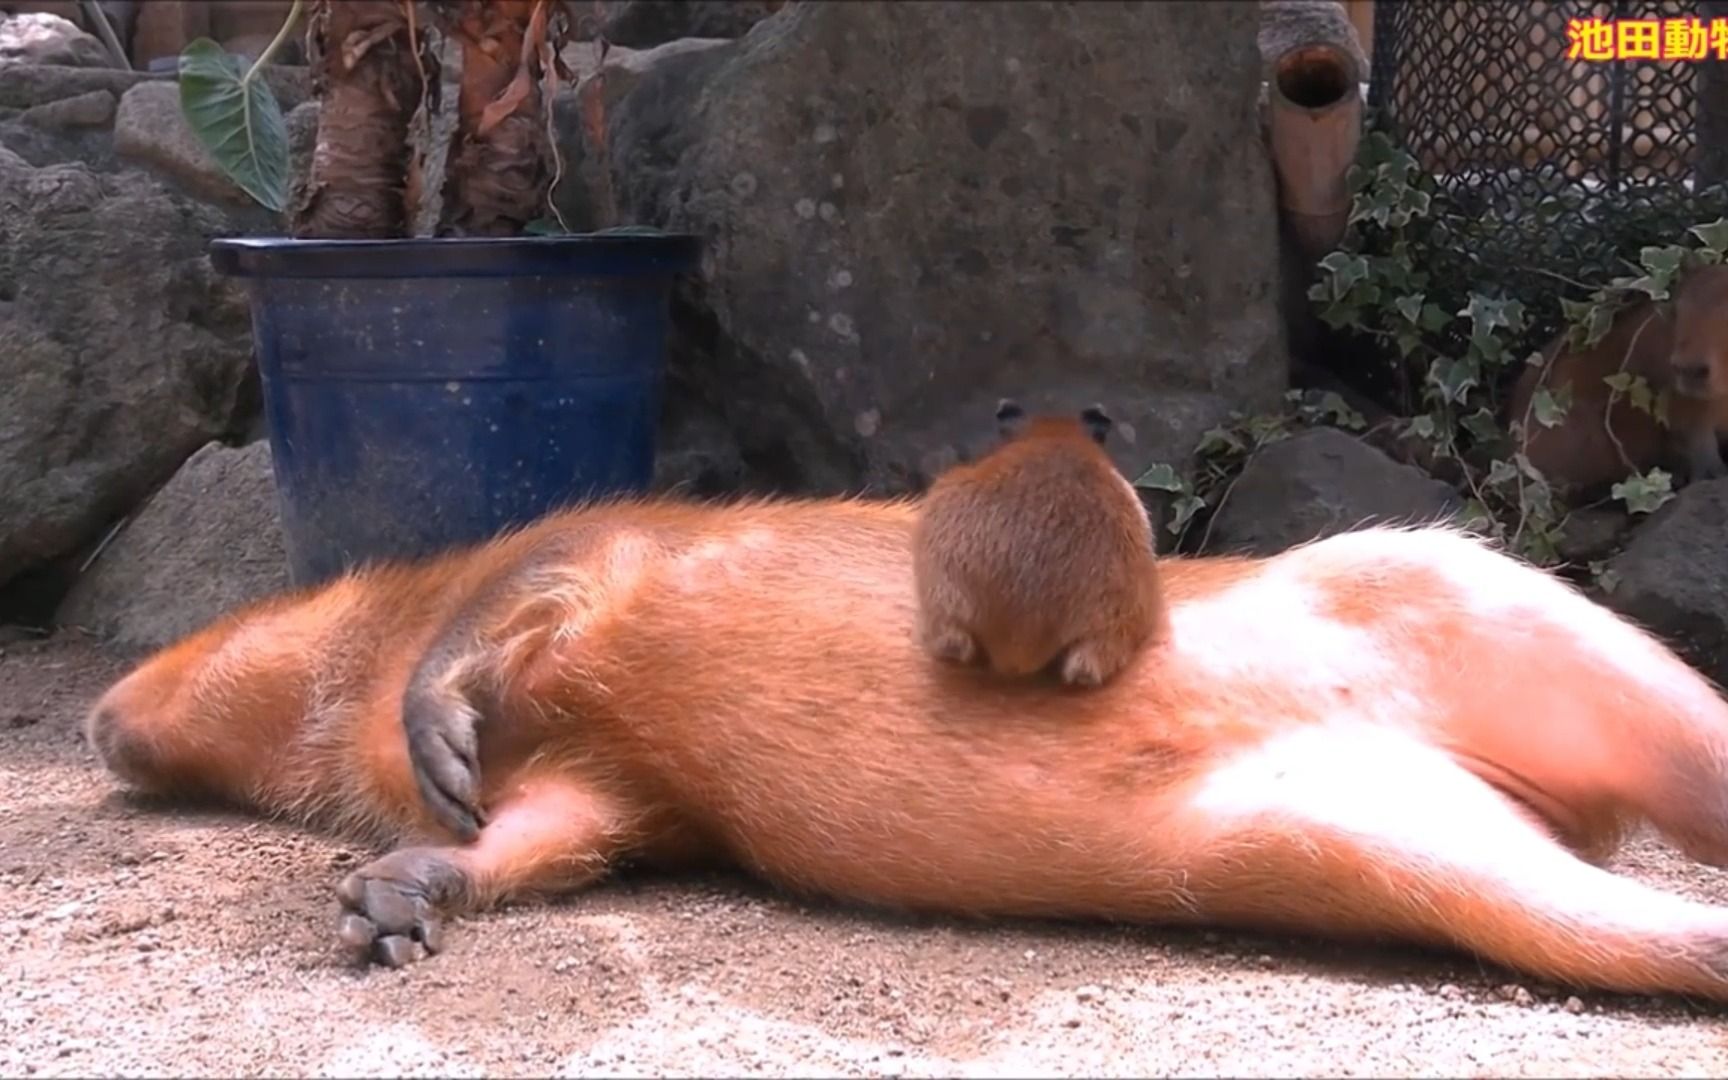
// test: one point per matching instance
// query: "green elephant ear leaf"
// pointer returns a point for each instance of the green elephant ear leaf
(237, 120)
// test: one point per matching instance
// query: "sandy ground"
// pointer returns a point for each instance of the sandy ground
(145, 940)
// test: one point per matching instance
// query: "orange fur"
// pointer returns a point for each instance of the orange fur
(1603, 437)
(1389, 733)
(1037, 552)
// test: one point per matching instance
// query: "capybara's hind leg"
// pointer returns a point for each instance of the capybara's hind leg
(548, 835)
(1367, 832)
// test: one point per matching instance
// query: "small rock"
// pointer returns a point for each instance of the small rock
(1318, 483)
(150, 130)
(1591, 532)
(22, 720)
(1574, 1005)
(64, 911)
(23, 86)
(44, 39)
(207, 542)
(1670, 575)
(1518, 995)
(1088, 994)
(91, 109)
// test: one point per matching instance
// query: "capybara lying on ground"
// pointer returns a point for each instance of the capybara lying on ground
(1389, 733)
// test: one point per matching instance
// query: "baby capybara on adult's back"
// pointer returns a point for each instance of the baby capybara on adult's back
(1037, 552)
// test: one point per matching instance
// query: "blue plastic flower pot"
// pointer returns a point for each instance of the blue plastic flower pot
(423, 394)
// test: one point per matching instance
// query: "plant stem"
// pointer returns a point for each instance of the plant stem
(105, 30)
(275, 42)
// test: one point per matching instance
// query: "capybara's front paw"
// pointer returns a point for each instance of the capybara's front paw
(1091, 664)
(391, 907)
(951, 645)
(444, 750)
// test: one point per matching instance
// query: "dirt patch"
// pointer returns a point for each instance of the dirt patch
(147, 940)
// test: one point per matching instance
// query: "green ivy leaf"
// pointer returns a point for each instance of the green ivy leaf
(1160, 477)
(1183, 510)
(1576, 312)
(1663, 261)
(1434, 317)
(1410, 307)
(1655, 286)
(1482, 426)
(1643, 398)
(1601, 321)
(1454, 378)
(1338, 410)
(1487, 314)
(1346, 271)
(1218, 440)
(1476, 517)
(1421, 427)
(1714, 234)
(1540, 545)
(1549, 408)
(1607, 579)
(237, 121)
(1644, 494)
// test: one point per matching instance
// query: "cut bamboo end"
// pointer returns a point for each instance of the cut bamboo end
(1314, 127)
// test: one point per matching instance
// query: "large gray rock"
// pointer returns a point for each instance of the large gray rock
(123, 351)
(642, 24)
(910, 212)
(1673, 575)
(1321, 482)
(42, 38)
(206, 543)
(581, 197)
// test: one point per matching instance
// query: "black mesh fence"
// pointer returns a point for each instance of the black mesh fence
(1563, 162)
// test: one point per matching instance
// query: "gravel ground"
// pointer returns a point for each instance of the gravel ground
(145, 940)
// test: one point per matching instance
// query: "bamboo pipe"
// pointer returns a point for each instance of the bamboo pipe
(1314, 127)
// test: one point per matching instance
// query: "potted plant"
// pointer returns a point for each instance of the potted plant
(435, 367)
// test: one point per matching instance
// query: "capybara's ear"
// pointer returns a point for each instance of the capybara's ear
(1098, 423)
(1009, 417)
